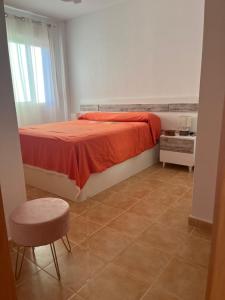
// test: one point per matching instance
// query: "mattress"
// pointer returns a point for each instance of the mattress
(89, 145)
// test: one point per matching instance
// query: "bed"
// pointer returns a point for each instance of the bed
(80, 158)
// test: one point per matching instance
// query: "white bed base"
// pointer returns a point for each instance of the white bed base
(60, 185)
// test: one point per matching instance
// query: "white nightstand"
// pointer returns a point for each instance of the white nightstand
(178, 150)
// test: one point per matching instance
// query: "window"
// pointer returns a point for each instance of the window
(36, 52)
(31, 73)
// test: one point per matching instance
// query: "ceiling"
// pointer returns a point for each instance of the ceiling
(59, 9)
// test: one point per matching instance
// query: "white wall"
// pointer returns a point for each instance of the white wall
(212, 95)
(11, 170)
(143, 51)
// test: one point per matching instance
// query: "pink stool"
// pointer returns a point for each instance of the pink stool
(37, 223)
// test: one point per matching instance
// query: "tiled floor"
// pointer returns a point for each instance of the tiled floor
(129, 242)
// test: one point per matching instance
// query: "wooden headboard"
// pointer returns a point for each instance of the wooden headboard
(175, 107)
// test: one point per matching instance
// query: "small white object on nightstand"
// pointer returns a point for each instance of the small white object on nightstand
(178, 150)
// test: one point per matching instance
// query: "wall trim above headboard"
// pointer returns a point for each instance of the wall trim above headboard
(170, 107)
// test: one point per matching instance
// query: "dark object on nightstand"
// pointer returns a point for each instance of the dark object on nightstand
(192, 133)
(184, 132)
(170, 132)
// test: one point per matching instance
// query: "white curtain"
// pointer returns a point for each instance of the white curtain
(36, 53)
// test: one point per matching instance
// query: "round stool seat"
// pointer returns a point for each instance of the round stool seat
(39, 222)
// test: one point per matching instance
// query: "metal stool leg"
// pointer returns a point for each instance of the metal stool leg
(18, 267)
(33, 254)
(54, 255)
(67, 245)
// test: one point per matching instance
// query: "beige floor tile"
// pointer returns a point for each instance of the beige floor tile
(187, 282)
(12, 246)
(28, 268)
(165, 175)
(76, 268)
(159, 294)
(151, 207)
(169, 189)
(152, 182)
(34, 193)
(183, 204)
(183, 178)
(43, 254)
(81, 228)
(42, 286)
(152, 169)
(121, 187)
(162, 196)
(144, 263)
(77, 297)
(106, 244)
(202, 233)
(102, 214)
(130, 224)
(134, 179)
(113, 284)
(142, 176)
(169, 169)
(120, 200)
(177, 190)
(163, 238)
(157, 194)
(195, 250)
(148, 208)
(138, 190)
(104, 194)
(189, 193)
(80, 207)
(176, 219)
(159, 190)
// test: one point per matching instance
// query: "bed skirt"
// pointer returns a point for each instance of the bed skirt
(63, 187)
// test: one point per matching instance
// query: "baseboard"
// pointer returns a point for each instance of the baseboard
(202, 224)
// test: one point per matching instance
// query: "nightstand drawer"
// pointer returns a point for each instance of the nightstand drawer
(174, 144)
(185, 159)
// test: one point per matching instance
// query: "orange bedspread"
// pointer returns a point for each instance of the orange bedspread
(92, 144)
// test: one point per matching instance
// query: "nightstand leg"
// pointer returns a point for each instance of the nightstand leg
(164, 164)
(190, 169)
